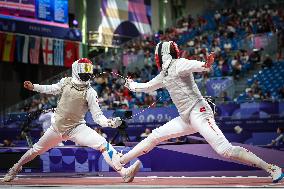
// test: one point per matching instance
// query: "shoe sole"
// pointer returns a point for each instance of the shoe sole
(13, 177)
(280, 178)
(7, 180)
(137, 167)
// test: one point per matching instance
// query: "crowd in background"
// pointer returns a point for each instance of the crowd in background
(219, 32)
(227, 28)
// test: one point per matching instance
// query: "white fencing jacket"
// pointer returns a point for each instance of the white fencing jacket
(91, 98)
(179, 81)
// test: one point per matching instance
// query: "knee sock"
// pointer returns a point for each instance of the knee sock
(27, 157)
(108, 152)
(141, 148)
(245, 156)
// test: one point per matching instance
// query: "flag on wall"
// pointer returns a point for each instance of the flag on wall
(9, 48)
(70, 53)
(34, 47)
(58, 52)
(26, 50)
(47, 50)
(22, 48)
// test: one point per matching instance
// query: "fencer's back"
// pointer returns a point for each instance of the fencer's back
(72, 106)
(183, 89)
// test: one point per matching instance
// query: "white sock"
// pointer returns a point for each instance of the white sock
(108, 151)
(245, 156)
(141, 148)
(27, 157)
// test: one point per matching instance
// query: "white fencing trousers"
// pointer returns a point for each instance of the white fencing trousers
(202, 121)
(82, 135)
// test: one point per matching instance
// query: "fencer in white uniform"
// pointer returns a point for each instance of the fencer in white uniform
(195, 113)
(77, 97)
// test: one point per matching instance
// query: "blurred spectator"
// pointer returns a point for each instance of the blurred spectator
(268, 96)
(146, 133)
(255, 87)
(46, 119)
(237, 68)
(224, 96)
(148, 100)
(7, 143)
(217, 17)
(280, 139)
(259, 95)
(223, 66)
(250, 96)
(267, 62)
(244, 56)
(216, 49)
(227, 46)
(254, 58)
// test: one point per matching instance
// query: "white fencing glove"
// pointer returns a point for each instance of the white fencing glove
(129, 84)
(114, 122)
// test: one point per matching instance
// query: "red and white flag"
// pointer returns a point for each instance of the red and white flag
(47, 51)
(69, 53)
(34, 47)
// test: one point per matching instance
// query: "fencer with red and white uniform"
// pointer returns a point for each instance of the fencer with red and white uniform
(195, 114)
(77, 97)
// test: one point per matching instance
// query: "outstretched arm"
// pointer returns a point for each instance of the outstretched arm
(47, 89)
(97, 113)
(148, 87)
(185, 66)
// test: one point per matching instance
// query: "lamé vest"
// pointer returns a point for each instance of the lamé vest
(72, 106)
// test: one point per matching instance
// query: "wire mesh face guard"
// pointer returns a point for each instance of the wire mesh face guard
(164, 48)
(84, 68)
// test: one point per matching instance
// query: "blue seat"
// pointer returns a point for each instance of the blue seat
(250, 81)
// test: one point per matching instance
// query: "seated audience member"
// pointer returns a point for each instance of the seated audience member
(224, 96)
(280, 139)
(7, 143)
(146, 133)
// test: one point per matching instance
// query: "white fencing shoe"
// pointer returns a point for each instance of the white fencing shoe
(12, 173)
(116, 161)
(276, 173)
(131, 171)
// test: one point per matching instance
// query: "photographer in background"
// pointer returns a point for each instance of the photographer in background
(121, 135)
(46, 119)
